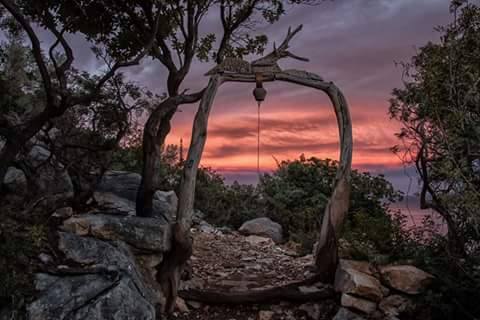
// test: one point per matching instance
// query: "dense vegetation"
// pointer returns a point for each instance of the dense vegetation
(294, 195)
(439, 109)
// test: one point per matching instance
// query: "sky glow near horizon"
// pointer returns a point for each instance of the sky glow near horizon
(354, 43)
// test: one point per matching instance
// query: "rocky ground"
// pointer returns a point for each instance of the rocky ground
(103, 264)
(232, 262)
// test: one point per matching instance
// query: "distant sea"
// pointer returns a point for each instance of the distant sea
(415, 217)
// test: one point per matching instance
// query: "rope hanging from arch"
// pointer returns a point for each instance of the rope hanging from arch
(259, 93)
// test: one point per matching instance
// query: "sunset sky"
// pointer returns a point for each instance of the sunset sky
(354, 43)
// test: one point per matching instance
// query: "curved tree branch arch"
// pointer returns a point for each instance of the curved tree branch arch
(236, 70)
(337, 207)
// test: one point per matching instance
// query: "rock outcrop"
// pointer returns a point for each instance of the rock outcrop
(263, 227)
(140, 233)
(379, 292)
(41, 173)
(49, 174)
(407, 279)
(107, 271)
(15, 181)
(117, 193)
(121, 183)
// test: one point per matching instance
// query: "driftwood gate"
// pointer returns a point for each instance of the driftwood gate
(266, 68)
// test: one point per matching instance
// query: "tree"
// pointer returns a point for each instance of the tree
(124, 30)
(177, 44)
(168, 32)
(440, 116)
(59, 90)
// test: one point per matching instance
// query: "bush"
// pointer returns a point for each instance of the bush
(295, 195)
(22, 237)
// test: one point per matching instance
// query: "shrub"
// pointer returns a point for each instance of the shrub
(295, 195)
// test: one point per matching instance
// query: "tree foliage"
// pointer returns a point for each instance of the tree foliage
(438, 108)
(296, 194)
(440, 115)
(83, 138)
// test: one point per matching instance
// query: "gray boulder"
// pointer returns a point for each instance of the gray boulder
(121, 183)
(50, 175)
(141, 233)
(15, 181)
(345, 314)
(263, 227)
(102, 255)
(124, 185)
(98, 296)
(38, 155)
(107, 279)
(110, 203)
(206, 227)
(165, 205)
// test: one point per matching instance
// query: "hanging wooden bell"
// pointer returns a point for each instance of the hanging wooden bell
(259, 92)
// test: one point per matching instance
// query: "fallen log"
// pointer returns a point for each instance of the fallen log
(295, 292)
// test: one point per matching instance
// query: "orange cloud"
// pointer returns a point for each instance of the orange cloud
(232, 138)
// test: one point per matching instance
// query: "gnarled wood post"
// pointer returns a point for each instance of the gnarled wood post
(172, 266)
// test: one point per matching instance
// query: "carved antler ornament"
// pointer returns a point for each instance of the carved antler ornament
(266, 64)
(269, 63)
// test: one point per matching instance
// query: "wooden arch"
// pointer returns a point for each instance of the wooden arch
(326, 256)
(337, 207)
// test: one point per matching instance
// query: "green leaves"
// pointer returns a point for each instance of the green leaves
(440, 114)
(205, 47)
(295, 195)
(439, 109)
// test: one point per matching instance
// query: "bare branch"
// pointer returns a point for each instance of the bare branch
(36, 49)
(290, 35)
(118, 65)
(230, 25)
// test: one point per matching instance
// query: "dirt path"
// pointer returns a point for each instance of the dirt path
(232, 262)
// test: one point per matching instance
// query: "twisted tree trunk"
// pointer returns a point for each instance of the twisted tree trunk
(173, 264)
(154, 135)
(156, 130)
